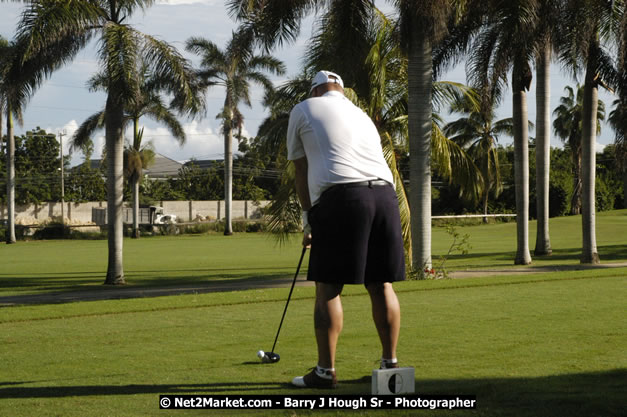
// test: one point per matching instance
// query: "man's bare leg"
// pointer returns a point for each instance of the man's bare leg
(386, 313)
(328, 321)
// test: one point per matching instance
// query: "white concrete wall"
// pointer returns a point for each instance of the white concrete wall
(186, 211)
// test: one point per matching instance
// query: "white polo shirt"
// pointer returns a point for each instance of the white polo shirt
(340, 141)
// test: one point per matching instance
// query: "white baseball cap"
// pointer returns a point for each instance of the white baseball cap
(324, 77)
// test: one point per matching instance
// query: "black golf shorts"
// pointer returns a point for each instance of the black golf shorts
(356, 236)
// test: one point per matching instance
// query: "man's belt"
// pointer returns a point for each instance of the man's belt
(369, 183)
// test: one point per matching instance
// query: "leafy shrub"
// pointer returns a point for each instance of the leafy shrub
(605, 193)
(255, 227)
(52, 231)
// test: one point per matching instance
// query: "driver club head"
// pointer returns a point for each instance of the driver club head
(271, 357)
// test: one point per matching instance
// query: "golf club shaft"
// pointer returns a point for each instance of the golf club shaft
(302, 255)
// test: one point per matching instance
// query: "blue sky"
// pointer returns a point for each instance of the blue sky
(64, 102)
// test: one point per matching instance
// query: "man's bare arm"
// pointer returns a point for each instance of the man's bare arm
(302, 190)
(302, 186)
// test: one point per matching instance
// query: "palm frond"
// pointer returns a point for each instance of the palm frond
(54, 22)
(210, 53)
(119, 51)
(451, 92)
(266, 63)
(98, 82)
(284, 213)
(166, 63)
(127, 7)
(163, 115)
(347, 29)
(389, 153)
(449, 158)
(82, 137)
(272, 22)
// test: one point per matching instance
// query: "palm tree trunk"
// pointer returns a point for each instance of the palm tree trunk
(2, 145)
(420, 79)
(487, 185)
(486, 195)
(521, 167)
(625, 188)
(115, 182)
(228, 177)
(543, 150)
(589, 254)
(10, 233)
(575, 200)
(135, 183)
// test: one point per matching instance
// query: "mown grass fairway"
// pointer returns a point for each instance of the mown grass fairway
(66, 265)
(543, 344)
(526, 346)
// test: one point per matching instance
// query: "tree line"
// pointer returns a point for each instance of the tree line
(256, 178)
(391, 66)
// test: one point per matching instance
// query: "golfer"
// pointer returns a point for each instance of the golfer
(350, 217)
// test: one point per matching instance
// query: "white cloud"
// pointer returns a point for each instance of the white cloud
(202, 142)
(77, 156)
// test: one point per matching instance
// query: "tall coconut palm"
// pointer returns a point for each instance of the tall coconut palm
(618, 121)
(479, 133)
(19, 77)
(506, 42)
(233, 68)
(550, 12)
(568, 126)
(6, 52)
(146, 101)
(543, 146)
(618, 116)
(598, 22)
(423, 25)
(48, 23)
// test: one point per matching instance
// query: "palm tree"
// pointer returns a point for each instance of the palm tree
(598, 22)
(61, 28)
(4, 53)
(479, 133)
(136, 159)
(19, 77)
(506, 42)
(5, 59)
(233, 68)
(618, 121)
(146, 101)
(550, 12)
(618, 116)
(423, 25)
(568, 127)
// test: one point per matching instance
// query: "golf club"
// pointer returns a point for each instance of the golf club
(272, 357)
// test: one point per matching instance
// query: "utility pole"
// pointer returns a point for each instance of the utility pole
(61, 134)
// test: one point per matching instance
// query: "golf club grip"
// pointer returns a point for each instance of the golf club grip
(302, 255)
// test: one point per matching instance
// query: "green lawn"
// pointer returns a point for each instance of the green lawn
(65, 265)
(494, 246)
(544, 344)
(537, 345)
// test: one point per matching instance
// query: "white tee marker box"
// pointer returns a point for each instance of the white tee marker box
(393, 381)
